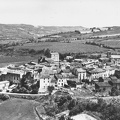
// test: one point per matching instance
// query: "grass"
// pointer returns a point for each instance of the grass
(73, 47)
(112, 43)
(5, 60)
(18, 109)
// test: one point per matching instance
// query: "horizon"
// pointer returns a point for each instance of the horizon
(61, 13)
(56, 25)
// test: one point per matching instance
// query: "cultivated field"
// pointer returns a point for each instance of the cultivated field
(112, 43)
(6, 60)
(74, 47)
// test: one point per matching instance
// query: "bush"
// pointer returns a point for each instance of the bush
(4, 97)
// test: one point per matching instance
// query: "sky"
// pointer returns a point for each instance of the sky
(86, 13)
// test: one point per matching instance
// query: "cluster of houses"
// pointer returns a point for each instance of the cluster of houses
(53, 72)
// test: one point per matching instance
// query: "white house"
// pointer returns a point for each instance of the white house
(81, 74)
(83, 116)
(4, 86)
(45, 81)
(115, 59)
(96, 73)
(61, 80)
(55, 56)
(109, 70)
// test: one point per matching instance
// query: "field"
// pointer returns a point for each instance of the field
(6, 60)
(112, 43)
(18, 109)
(73, 47)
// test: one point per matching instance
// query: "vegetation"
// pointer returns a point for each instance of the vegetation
(19, 109)
(26, 87)
(4, 97)
(50, 89)
(102, 109)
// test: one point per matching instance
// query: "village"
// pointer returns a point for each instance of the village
(79, 77)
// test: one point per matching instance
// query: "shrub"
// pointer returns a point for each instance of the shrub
(4, 97)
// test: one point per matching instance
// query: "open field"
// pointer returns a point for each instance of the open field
(6, 60)
(18, 109)
(72, 47)
(112, 43)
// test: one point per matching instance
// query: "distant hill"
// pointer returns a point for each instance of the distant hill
(23, 31)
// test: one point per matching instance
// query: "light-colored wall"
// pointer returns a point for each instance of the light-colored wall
(81, 75)
(61, 82)
(55, 57)
(44, 83)
(4, 86)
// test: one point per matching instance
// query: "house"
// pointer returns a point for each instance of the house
(12, 74)
(103, 87)
(83, 116)
(4, 86)
(55, 56)
(113, 78)
(115, 59)
(45, 81)
(81, 74)
(115, 83)
(96, 73)
(61, 80)
(109, 70)
(65, 113)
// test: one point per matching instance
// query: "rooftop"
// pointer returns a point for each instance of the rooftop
(2, 82)
(103, 84)
(115, 56)
(97, 70)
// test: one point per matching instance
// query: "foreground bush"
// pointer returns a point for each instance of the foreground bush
(4, 97)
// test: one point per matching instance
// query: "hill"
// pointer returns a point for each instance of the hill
(19, 109)
(25, 32)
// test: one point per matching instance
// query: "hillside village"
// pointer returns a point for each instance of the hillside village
(93, 77)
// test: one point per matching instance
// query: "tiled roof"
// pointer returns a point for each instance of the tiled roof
(97, 70)
(103, 84)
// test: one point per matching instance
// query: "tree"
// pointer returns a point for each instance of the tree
(117, 74)
(50, 89)
(101, 79)
(47, 53)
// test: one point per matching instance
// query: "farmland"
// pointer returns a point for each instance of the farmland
(73, 47)
(112, 43)
(6, 60)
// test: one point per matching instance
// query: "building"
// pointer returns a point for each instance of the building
(81, 74)
(84, 116)
(61, 80)
(103, 87)
(4, 86)
(96, 73)
(115, 83)
(115, 59)
(45, 81)
(12, 74)
(55, 56)
(109, 70)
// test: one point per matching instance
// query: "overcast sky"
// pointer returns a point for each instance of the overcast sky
(86, 13)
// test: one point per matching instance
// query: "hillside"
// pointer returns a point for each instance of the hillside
(25, 32)
(85, 33)
(18, 109)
